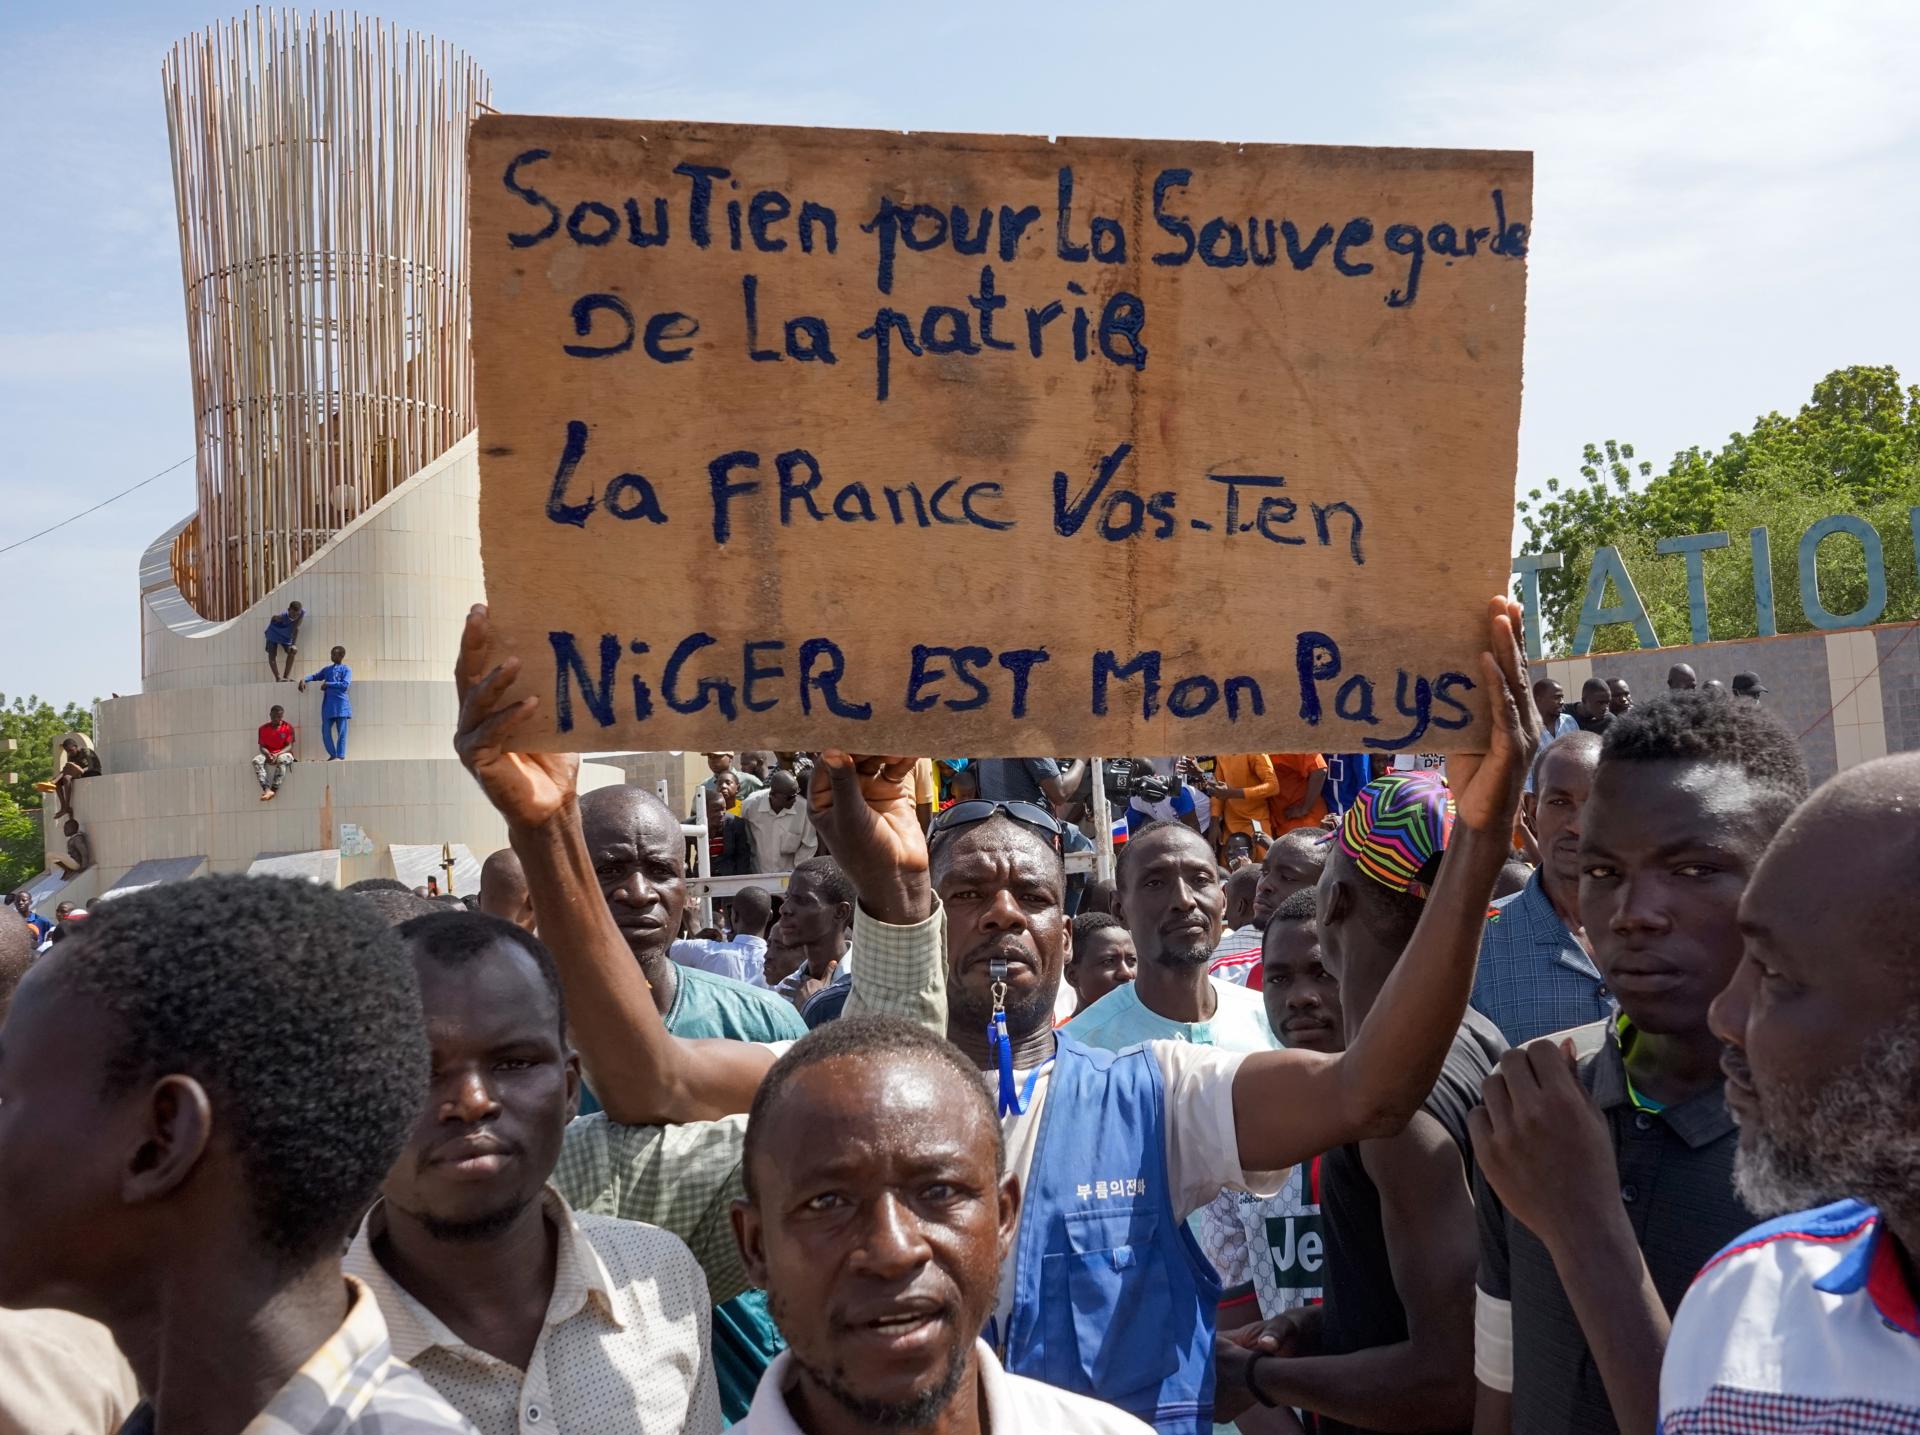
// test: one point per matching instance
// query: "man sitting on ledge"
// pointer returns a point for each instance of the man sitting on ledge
(274, 760)
(78, 760)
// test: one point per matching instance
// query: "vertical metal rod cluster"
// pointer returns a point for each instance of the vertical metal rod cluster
(320, 171)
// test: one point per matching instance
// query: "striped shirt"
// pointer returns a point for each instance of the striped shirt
(1237, 958)
(1806, 1323)
(352, 1385)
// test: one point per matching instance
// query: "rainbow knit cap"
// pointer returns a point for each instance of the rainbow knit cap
(1397, 830)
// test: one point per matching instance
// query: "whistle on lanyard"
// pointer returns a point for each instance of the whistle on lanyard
(1011, 1102)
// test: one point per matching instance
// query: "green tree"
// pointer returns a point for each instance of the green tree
(1576, 519)
(35, 726)
(21, 851)
(1860, 431)
(1853, 448)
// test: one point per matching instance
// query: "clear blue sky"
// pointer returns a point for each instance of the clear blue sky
(1724, 199)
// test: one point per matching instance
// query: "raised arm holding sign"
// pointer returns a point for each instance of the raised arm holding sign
(643, 1074)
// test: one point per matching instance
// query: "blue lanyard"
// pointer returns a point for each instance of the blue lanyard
(1012, 1103)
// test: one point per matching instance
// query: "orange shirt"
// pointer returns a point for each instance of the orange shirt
(1293, 771)
(1252, 771)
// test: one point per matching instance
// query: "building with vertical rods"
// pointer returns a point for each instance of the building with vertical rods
(319, 167)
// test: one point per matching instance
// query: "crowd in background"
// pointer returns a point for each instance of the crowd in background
(1572, 1088)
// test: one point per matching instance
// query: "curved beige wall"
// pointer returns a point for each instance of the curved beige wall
(394, 588)
(203, 727)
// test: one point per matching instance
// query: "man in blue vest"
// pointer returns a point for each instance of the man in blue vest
(1103, 1291)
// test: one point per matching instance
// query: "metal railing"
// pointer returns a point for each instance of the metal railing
(184, 561)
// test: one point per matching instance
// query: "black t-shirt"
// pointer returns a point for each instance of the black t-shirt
(1015, 779)
(733, 848)
(1675, 1169)
(1594, 724)
(1363, 1308)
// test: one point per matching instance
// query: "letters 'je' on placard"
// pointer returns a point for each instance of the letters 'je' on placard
(980, 444)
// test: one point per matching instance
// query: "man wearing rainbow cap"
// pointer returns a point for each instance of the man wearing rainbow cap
(1391, 1348)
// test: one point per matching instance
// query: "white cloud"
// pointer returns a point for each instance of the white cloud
(1723, 203)
(1659, 130)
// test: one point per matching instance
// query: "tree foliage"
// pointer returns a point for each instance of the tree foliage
(21, 850)
(36, 726)
(1853, 448)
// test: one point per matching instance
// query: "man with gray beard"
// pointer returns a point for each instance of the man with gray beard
(1812, 1321)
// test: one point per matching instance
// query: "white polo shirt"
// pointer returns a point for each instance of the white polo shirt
(1805, 1323)
(1015, 1404)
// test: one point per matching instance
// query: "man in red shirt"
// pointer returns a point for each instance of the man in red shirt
(275, 757)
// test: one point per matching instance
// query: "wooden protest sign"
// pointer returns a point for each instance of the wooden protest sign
(993, 445)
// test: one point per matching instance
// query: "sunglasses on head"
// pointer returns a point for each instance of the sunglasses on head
(979, 809)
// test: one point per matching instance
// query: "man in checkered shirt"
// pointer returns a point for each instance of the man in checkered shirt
(1536, 972)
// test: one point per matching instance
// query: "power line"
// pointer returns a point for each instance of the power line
(23, 542)
(1878, 664)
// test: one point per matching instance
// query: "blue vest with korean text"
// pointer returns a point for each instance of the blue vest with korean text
(1113, 1298)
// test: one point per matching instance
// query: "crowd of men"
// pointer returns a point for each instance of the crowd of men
(1575, 1090)
(1604, 699)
